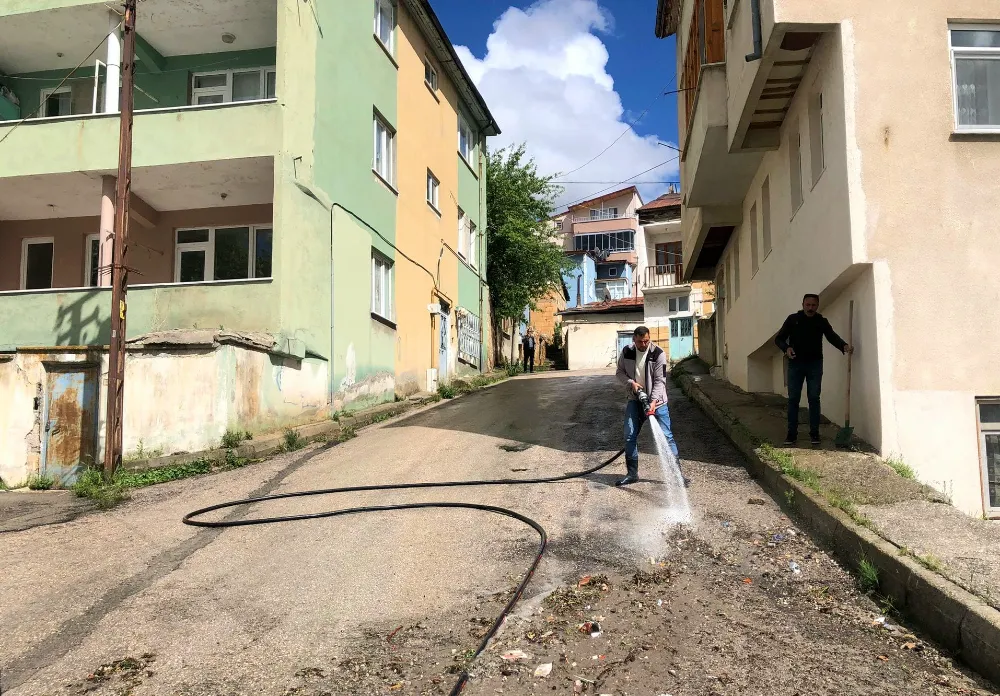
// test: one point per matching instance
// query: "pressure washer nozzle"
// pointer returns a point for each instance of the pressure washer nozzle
(647, 405)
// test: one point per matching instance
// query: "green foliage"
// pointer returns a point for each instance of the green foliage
(234, 438)
(513, 370)
(40, 482)
(901, 467)
(141, 453)
(91, 484)
(930, 562)
(293, 441)
(523, 260)
(446, 391)
(163, 474)
(348, 432)
(867, 576)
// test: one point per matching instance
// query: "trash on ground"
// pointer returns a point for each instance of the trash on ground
(585, 580)
(747, 581)
(513, 655)
(543, 670)
(794, 567)
(727, 524)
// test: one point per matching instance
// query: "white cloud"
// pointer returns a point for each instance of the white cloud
(545, 79)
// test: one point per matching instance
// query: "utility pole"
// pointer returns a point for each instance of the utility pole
(119, 270)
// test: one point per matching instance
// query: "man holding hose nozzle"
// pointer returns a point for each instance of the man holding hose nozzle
(642, 367)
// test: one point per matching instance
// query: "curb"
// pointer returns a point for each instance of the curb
(274, 444)
(954, 617)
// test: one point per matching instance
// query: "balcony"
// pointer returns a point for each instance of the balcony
(590, 225)
(663, 277)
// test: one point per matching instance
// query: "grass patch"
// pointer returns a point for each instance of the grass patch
(234, 438)
(786, 464)
(868, 579)
(901, 467)
(446, 391)
(163, 474)
(106, 495)
(40, 482)
(790, 496)
(293, 441)
(348, 432)
(140, 453)
(513, 370)
(930, 562)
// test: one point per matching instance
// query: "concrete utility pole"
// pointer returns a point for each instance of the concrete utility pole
(119, 271)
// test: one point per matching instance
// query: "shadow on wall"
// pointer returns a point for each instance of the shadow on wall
(76, 325)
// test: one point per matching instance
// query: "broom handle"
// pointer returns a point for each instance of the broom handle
(850, 340)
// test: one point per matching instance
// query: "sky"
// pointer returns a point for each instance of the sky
(568, 78)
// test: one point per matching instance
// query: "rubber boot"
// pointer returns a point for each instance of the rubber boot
(632, 474)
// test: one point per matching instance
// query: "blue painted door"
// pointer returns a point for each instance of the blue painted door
(445, 342)
(681, 338)
(624, 339)
(69, 439)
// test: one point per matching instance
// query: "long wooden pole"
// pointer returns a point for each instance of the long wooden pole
(119, 269)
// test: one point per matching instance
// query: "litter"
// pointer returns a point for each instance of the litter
(794, 567)
(778, 538)
(659, 602)
(747, 581)
(585, 580)
(514, 655)
(591, 627)
(543, 670)
(727, 524)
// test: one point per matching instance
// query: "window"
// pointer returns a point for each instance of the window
(605, 241)
(765, 214)
(816, 146)
(385, 22)
(975, 54)
(472, 244)
(795, 168)
(612, 289)
(603, 214)
(470, 348)
(559, 224)
(679, 304)
(989, 444)
(430, 75)
(462, 234)
(612, 271)
(381, 286)
(223, 253)
(233, 86)
(384, 162)
(754, 255)
(57, 102)
(466, 144)
(92, 261)
(37, 255)
(433, 186)
(736, 269)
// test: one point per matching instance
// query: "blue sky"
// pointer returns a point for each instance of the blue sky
(568, 77)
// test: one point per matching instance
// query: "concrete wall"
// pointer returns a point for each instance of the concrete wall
(592, 340)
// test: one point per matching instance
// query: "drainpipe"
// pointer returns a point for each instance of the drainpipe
(758, 43)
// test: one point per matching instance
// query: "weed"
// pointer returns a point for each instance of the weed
(40, 482)
(234, 438)
(140, 453)
(381, 417)
(513, 370)
(163, 474)
(901, 467)
(348, 432)
(867, 576)
(887, 605)
(91, 484)
(5, 487)
(232, 461)
(790, 496)
(446, 391)
(903, 551)
(786, 464)
(293, 441)
(930, 562)
(337, 415)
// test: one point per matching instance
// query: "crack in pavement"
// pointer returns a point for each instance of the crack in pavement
(72, 632)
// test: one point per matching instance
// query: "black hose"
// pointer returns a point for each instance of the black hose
(543, 537)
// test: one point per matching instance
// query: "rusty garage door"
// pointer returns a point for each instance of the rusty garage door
(69, 438)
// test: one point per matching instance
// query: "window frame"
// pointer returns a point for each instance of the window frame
(464, 127)
(36, 241)
(817, 137)
(462, 237)
(765, 218)
(795, 168)
(473, 243)
(433, 192)
(982, 430)
(226, 92)
(391, 46)
(389, 142)
(429, 68)
(88, 267)
(386, 311)
(47, 92)
(989, 53)
(209, 248)
(754, 235)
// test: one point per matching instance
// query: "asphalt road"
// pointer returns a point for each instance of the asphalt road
(133, 602)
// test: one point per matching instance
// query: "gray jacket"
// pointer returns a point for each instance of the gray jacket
(656, 371)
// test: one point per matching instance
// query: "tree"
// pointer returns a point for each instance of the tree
(523, 261)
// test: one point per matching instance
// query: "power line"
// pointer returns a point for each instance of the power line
(80, 65)
(637, 183)
(631, 125)
(597, 193)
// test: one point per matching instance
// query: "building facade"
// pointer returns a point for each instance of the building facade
(804, 171)
(281, 154)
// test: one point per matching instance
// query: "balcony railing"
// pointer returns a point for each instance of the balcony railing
(706, 44)
(664, 276)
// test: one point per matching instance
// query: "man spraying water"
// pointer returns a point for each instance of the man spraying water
(642, 367)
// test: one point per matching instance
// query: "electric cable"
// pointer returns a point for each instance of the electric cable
(192, 519)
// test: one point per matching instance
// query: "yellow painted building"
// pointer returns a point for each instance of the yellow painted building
(442, 303)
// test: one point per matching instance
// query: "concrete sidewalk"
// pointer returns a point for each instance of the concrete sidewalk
(918, 536)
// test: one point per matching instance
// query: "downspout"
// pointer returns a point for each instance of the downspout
(758, 43)
(481, 268)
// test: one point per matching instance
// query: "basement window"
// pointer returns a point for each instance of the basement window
(233, 85)
(223, 253)
(988, 412)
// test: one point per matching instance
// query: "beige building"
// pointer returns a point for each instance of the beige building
(851, 149)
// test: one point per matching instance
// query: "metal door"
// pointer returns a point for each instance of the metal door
(69, 438)
(445, 342)
(624, 339)
(681, 338)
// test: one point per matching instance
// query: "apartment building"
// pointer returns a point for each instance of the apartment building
(278, 267)
(810, 165)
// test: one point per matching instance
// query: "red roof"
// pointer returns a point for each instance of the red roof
(627, 304)
(606, 196)
(667, 200)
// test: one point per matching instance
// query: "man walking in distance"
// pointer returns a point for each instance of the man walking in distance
(643, 365)
(528, 345)
(801, 339)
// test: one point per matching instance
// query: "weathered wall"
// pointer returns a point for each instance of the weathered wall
(592, 342)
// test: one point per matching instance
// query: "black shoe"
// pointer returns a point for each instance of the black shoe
(630, 479)
(790, 440)
(815, 440)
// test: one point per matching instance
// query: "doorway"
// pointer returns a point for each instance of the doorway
(445, 342)
(681, 338)
(69, 428)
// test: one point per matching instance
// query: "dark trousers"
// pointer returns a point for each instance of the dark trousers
(810, 372)
(529, 359)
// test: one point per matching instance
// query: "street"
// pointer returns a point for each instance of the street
(741, 602)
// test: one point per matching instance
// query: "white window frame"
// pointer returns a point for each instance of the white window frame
(988, 53)
(464, 128)
(473, 232)
(604, 213)
(985, 429)
(87, 267)
(429, 68)
(817, 141)
(379, 4)
(209, 248)
(433, 191)
(227, 91)
(29, 241)
(463, 222)
(382, 272)
(765, 216)
(387, 140)
(49, 91)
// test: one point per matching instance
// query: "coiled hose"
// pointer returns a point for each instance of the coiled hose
(191, 519)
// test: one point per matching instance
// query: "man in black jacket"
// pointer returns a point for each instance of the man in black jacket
(801, 339)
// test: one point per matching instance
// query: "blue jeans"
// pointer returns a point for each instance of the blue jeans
(634, 418)
(811, 372)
